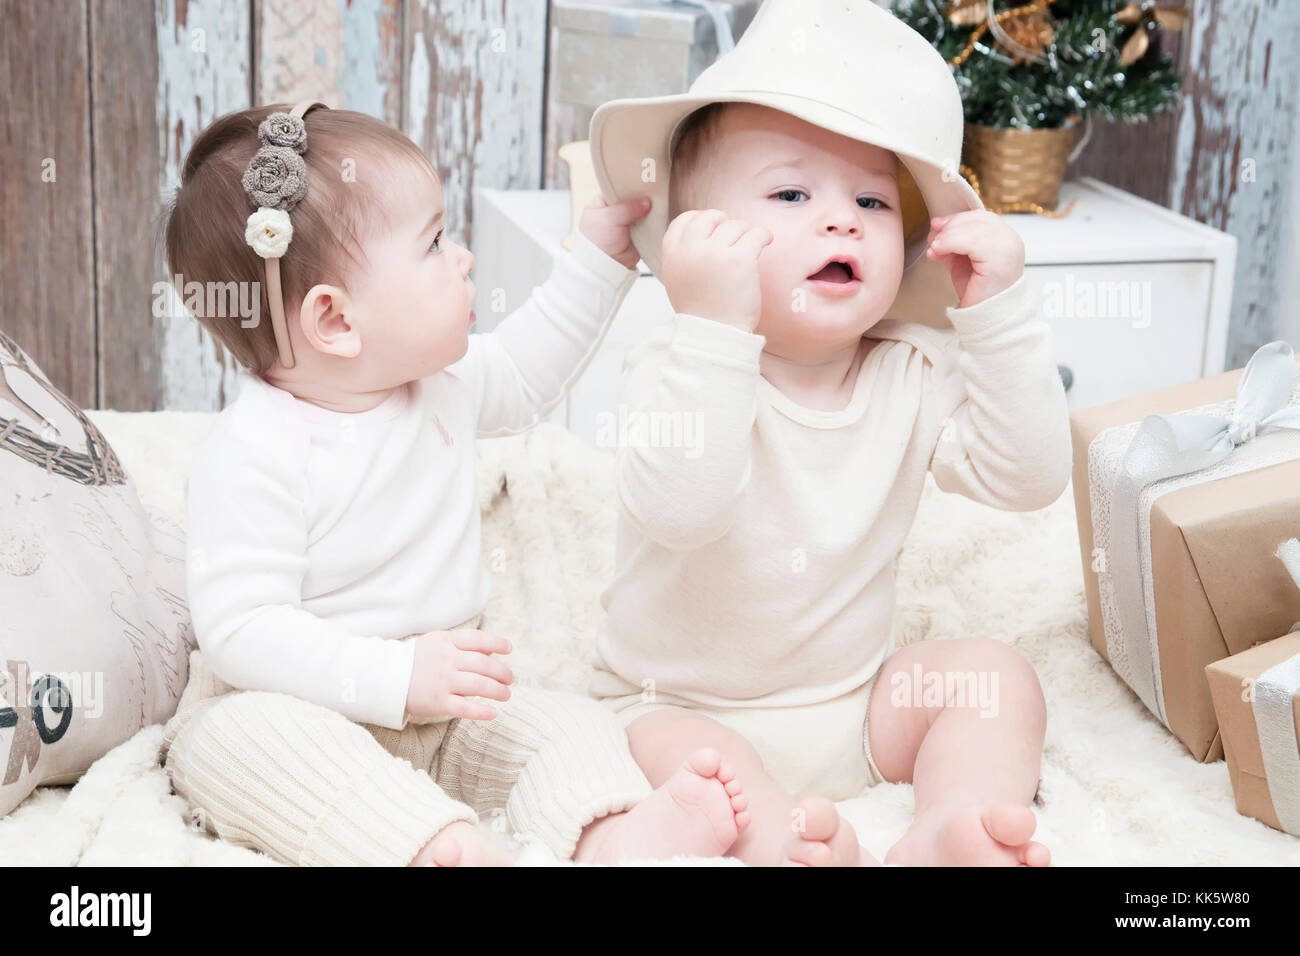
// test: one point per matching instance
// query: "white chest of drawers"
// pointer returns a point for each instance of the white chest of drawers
(1137, 296)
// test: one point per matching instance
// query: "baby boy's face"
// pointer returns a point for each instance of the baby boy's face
(825, 199)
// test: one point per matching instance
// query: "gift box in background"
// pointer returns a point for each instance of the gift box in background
(612, 50)
(1257, 700)
(1181, 497)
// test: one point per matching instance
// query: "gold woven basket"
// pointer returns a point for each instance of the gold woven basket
(1017, 166)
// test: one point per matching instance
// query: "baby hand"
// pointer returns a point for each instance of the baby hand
(710, 267)
(451, 666)
(984, 255)
(606, 226)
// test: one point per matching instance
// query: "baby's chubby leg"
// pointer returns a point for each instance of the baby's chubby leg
(780, 830)
(963, 721)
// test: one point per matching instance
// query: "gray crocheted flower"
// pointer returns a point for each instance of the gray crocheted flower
(283, 129)
(276, 178)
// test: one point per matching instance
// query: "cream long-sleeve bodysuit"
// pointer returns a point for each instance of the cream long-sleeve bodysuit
(756, 564)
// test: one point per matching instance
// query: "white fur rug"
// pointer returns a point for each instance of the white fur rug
(1116, 787)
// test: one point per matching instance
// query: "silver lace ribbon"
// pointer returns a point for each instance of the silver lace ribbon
(1275, 691)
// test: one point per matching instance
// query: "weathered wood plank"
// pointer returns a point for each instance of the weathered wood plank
(1235, 149)
(46, 246)
(347, 53)
(203, 73)
(126, 176)
(299, 51)
(475, 92)
(1137, 157)
(372, 51)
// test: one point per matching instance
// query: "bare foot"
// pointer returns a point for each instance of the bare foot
(823, 838)
(971, 835)
(699, 811)
(461, 844)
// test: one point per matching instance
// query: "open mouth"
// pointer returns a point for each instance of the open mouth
(840, 278)
(834, 271)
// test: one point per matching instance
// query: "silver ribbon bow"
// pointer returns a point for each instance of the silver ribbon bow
(1169, 445)
(1275, 690)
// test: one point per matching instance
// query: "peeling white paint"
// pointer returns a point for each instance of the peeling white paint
(1244, 56)
(366, 72)
(194, 88)
(301, 51)
(485, 128)
(417, 89)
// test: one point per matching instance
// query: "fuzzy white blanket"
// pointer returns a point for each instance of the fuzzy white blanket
(1116, 787)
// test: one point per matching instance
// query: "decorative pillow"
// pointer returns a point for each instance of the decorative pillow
(95, 633)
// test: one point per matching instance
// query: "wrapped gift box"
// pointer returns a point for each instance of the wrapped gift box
(1180, 572)
(1256, 700)
(611, 50)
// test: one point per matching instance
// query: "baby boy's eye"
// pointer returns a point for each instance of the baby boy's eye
(789, 195)
(863, 200)
(436, 239)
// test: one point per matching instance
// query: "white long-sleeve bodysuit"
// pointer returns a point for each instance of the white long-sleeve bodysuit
(321, 544)
(318, 537)
(755, 566)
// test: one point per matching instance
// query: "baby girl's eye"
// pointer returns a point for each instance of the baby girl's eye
(789, 195)
(436, 239)
(867, 199)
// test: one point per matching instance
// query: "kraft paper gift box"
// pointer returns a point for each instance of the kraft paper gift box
(1181, 497)
(1257, 699)
(614, 49)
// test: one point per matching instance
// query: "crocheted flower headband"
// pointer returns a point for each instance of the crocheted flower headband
(276, 181)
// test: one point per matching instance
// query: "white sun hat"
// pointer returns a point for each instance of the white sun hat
(848, 66)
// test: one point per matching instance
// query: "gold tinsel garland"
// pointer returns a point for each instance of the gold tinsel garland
(1035, 32)
(1031, 30)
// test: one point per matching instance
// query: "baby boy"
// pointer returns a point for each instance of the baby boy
(751, 605)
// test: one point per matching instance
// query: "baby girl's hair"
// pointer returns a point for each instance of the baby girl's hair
(206, 220)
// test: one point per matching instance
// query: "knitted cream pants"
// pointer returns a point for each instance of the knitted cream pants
(309, 787)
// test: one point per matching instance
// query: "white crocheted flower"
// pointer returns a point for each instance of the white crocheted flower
(268, 232)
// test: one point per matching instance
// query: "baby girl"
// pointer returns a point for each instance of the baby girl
(751, 605)
(335, 711)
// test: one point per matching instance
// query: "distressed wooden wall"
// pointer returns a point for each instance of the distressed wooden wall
(1227, 155)
(1235, 148)
(47, 262)
(103, 99)
(202, 69)
(477, 81)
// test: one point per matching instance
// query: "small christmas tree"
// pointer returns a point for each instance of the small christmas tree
(1065, 59)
